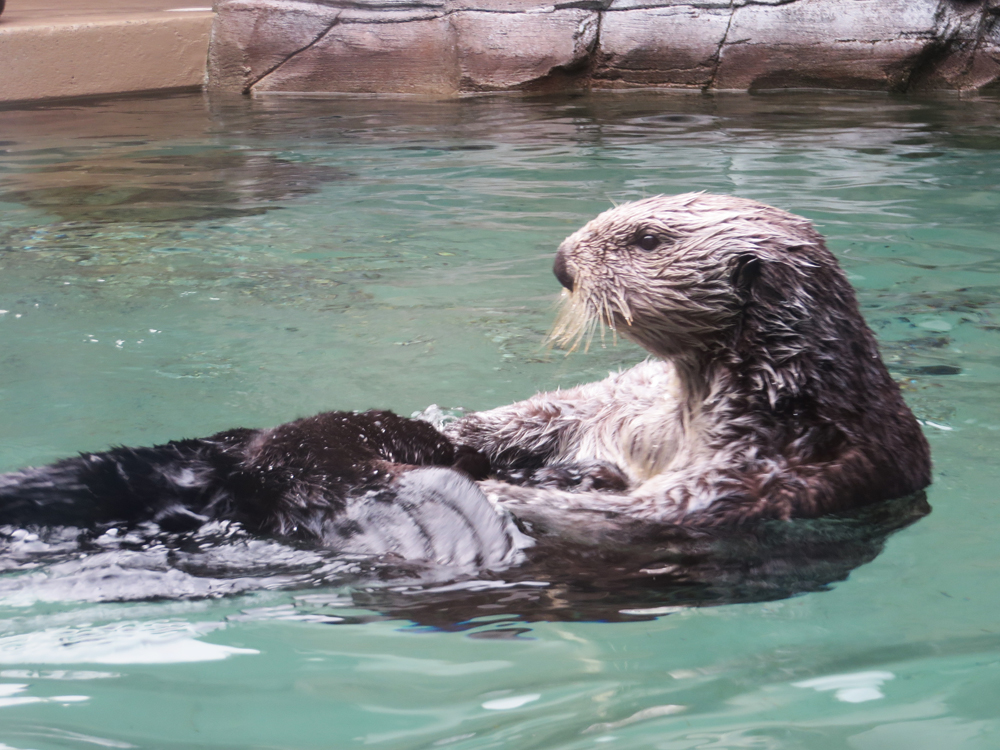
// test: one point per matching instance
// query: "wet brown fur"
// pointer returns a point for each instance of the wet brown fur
(775, 400)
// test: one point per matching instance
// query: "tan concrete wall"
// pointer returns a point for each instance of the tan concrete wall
(103, 56)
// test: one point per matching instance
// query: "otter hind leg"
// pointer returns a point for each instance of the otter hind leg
(436, 514)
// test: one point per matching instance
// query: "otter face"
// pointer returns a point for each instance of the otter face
(672, 272)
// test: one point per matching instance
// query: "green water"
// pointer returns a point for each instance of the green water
(177, 266)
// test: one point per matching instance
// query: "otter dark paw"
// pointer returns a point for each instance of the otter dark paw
(598, 476)
(472, 462)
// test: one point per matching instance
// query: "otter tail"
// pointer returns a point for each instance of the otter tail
(174, 485)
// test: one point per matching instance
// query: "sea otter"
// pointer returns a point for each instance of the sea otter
(765, 398)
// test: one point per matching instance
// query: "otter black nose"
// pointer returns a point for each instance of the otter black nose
(562, 272)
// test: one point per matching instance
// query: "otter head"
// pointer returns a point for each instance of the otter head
(696, 274)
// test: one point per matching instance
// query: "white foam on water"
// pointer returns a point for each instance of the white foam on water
(856, 687)
(514, 701)
(156, 642)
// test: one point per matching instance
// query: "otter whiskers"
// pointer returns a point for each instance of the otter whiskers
(579, 318)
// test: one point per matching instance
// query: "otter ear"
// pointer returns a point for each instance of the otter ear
(746, 271)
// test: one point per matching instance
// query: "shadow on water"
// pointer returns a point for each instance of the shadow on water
(142, 185)
(671, 567)
(666, 569)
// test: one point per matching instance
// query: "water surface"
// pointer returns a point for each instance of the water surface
(177, 266)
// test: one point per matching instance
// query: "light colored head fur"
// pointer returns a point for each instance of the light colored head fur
(683, 290)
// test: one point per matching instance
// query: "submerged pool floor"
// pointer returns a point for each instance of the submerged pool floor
(172, 267)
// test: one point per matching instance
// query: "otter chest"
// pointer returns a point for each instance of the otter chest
(634, 422)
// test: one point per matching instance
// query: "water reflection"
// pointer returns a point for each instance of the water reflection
(659, 570)
(125, 183)
(670, 568)
(130, 642)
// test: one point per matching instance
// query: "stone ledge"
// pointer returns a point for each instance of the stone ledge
(455, 47)
(102, 53)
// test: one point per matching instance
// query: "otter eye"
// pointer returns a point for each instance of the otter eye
(648, 242)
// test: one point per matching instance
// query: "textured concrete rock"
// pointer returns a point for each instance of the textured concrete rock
(451, 47)
(415, 56)
(859, 44)
(499, 51)
(393, 46)
(677, 45)
(250, 39)
(970, 57)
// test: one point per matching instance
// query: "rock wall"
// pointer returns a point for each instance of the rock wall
(454, 47)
